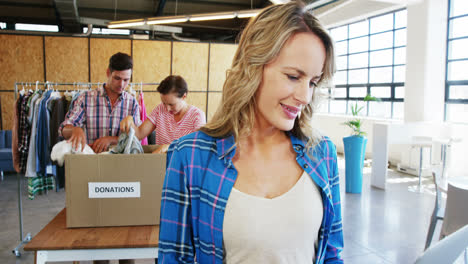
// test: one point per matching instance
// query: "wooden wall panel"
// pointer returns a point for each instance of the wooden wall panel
(100, 52)
(8, 109)
(151, 101)
(198, 100)
(21, 60)
(221, 56)
(151, 61)
(190, 60)
(66, 59)
(214, 99)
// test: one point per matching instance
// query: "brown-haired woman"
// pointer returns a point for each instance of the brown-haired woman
(171, 119)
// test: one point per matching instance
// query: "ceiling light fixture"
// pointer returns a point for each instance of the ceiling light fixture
(167, 20)
(213, 16)
(279, 2)
(127, 23)
(183, 18)
(248, 13)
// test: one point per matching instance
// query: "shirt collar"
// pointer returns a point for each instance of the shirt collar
(102, 92)
(226, 146)
(298, 145)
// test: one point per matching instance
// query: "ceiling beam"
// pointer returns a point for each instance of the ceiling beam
(67, 11)
(19, 4)
(161, 5)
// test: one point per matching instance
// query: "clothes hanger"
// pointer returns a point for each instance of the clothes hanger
(22, 90)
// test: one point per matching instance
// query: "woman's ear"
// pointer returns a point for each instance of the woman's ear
(184, 96)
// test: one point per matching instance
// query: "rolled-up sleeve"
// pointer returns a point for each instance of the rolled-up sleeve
(76, 116)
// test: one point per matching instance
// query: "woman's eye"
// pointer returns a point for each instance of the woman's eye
(292, 77)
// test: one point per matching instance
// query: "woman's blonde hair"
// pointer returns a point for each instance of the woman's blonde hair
(260, 43)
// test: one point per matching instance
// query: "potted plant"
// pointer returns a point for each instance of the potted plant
(355, 148)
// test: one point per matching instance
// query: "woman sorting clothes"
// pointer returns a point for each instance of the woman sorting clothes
(258, 183)
(172, 118)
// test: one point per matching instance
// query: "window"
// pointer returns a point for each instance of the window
(108, 31)
(37, 27)
(2, 25)
(456, 84)
(371, 59)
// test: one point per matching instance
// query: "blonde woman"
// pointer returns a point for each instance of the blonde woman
(257, 184)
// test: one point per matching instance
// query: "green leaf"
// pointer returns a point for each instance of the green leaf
(371, 98)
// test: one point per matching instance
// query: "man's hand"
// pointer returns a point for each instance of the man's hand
(126, 124)
(102, 144)
(77, 137)
(161, 149)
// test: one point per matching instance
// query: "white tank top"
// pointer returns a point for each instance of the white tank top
(279, 230)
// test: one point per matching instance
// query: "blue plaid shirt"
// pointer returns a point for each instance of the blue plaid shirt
(199, 178)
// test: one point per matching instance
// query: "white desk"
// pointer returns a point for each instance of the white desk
(385, 134)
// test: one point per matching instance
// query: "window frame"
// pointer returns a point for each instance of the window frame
(448, 83)
(350, 100)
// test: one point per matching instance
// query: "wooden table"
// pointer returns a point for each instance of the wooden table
(55, 242)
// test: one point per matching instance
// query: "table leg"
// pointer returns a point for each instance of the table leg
(41, 257)
(420, 167)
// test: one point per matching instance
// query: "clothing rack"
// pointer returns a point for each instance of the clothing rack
(47, 85)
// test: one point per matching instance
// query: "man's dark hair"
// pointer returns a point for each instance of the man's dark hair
(173, 84)
(120, 62)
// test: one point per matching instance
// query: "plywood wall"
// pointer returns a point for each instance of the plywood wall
(152, 61)
(197, 99)
(21, 60)
(214, 99)
(190, 60)
(221, 56)
(8, 109)
(151, 101)
(66, 59)
(100, 52)
(76, 59)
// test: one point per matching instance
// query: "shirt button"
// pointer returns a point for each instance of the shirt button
(306, 166)
(297, 148)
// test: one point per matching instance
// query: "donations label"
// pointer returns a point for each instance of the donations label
(114, 189)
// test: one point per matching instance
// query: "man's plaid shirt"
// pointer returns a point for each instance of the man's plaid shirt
(93, 112)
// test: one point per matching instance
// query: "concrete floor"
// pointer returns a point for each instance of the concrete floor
(379, 226)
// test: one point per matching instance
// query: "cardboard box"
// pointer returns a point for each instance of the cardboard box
(114, 189)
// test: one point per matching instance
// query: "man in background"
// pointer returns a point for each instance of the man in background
(95, 116)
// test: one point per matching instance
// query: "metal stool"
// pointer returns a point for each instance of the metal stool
(421, 143)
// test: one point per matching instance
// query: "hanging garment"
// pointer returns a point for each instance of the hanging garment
(57, 115)
(14, 136)
(42, 137)
(24, 132)
(31, 162)
(143, 115)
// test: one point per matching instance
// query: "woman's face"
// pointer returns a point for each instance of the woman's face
(173, 103)
(289, 80)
